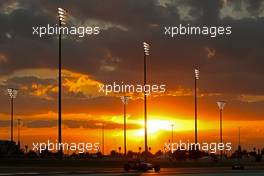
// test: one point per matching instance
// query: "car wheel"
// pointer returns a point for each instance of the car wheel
(157, 168)
(143, 168)
(127, 167)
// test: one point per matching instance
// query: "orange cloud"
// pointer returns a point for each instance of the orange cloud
(180, 91)
(77, 82)
(40, 90)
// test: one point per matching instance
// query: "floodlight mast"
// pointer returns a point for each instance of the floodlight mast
(18, 132)
(62, 21)
(221, 105)
(146, 48)
(125, 102)
(12, 92)
(196, 77)
(103, 138)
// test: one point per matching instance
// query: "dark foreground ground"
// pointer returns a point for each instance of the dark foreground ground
(99, 167)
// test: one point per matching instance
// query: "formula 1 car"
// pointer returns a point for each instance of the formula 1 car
(140, 166)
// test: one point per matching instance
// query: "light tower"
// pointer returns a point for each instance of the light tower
(221, 105)
(62, 21)
(13, 94)
(18, 132)
(146, 48)
(103, 137)
(125, 102)
(196, 77)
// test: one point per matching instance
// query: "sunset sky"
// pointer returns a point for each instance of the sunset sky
(231, 69)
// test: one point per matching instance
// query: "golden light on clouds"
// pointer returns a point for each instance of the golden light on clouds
(180, 91)
(164, 110)
(40, 90)
(77, 82)
(47, 84)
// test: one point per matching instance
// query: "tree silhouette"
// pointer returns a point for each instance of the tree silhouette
(119, 149)
(26, 147)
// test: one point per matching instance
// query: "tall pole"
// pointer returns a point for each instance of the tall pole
(103, 138)
(221, 135)
(18, 132)
(196, 77)
(59, 92)
(146, 47)
(61, 14)
(125, 102)
(221, 105)
(12, 93)
(239, 136)
(239, 146)
(195, 109)
(146, 52)
(125, 129)
(145, 107)
(12, 119)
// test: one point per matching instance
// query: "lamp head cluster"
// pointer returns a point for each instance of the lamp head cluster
(196, 73)
(125, 99)
(62, 15)
(12, 92)
(221, 104)
(146, 47)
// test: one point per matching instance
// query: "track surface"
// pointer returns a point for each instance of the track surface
(119, 172)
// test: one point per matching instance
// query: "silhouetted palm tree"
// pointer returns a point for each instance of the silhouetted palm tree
(149, 149)
(26, 147)
(119, 149)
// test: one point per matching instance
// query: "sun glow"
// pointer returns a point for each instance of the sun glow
(156, 125)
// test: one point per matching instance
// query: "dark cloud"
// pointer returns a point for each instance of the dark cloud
(40, 124)
(89, 124)
(28, 81)
(93, 124)
(254, 7)
(235, 69)
(4, 123)
(27, 95)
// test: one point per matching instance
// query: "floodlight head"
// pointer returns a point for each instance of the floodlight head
(62, 15)
(61, 9)
(146, 47)
(125, 99)
(12, 92)
(221, 104)
(196, 73)
(60, 12)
